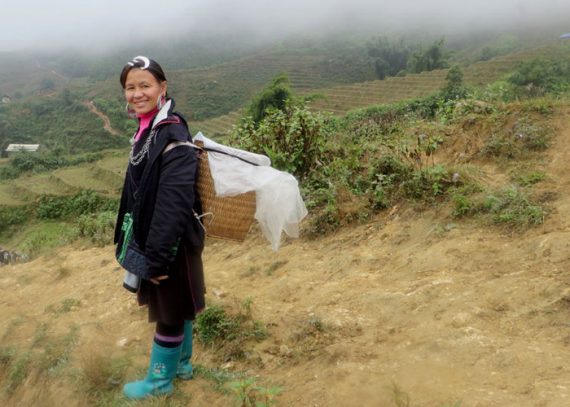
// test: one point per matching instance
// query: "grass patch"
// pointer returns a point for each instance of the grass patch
(250, 394)
(18, 371)
(218, 377)
(229, 331)
(56, 353)
(66, 305)
(102, 374)
(511, 207)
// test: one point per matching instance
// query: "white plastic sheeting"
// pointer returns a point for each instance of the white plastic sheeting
(279, 206)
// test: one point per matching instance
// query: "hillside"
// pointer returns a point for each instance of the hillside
(340, 99)
(404, 290)
(410, 304)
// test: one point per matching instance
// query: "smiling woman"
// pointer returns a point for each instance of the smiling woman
(159, 241)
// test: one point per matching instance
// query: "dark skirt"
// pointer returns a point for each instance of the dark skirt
(181, 296)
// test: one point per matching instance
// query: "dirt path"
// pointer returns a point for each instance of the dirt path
(445, 311)
(106, 122)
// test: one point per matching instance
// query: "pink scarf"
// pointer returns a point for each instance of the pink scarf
(145, 120)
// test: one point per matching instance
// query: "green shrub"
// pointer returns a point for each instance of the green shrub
(274, 97)
(45, 236)
(514, 208)
(12, 216)
(82, 203)
(97, 227)
(229, 332)
(541, 75)
(292, 138)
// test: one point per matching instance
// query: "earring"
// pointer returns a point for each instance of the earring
(160, 102)
(131, 114)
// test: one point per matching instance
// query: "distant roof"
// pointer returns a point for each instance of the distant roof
(22, 147)
(567, 35)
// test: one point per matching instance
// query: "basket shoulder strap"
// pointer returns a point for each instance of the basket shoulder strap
(175, 144)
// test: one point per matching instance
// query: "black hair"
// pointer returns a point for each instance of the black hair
(143, 63)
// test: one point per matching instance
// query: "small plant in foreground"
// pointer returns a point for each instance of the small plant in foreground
(229, 332)
(249, 394)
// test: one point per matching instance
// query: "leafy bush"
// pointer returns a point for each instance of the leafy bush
(274, 97)
(510, 206)
(12, 216)
(229, 332)
(98, 227)
(541, 75)
(82, 203)
(292, 138)
(524, 137)
(43, 161)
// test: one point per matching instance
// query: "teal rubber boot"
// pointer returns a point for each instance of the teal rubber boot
(161, 373)
(184, 370)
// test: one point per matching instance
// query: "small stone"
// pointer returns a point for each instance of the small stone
(218, 293)
(285, 351)
(121, 343)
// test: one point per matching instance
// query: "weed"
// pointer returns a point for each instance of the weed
(529, 178)
(525, 136)
(18, 371)
(399, 396)
(56, 352)
(229, 332)
(7, 355)
(219, 377)
(40, 335)
(514, 208)
(275, 266)
(249, 394)
(66, 305)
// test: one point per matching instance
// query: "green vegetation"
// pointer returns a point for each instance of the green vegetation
(249, 394)
(397, 57)
(274, 97)
(42, 162)
(52, 221)
(61, 124)
(229, 332)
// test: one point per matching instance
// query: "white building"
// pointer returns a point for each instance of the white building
(12, 148)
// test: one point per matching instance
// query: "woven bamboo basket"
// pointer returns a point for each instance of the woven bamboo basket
(224, 218)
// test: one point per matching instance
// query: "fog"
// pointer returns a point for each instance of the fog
(105, 24)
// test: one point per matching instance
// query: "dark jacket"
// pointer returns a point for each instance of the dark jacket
(163, 199)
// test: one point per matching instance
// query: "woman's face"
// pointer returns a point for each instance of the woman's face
(142, 90)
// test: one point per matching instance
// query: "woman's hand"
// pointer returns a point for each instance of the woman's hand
(158, 279)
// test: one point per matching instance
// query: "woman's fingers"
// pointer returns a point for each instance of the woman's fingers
(158, 279)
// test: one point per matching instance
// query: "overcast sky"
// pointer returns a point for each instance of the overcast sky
(86, 24)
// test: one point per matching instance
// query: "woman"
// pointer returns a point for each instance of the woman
(159, 195)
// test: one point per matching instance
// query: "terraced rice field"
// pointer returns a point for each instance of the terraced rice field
(8, 196)
(41, 184)
(217, 127)
(343, 98)
(116, 163)
(90, 177)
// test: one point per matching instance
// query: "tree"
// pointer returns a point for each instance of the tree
(389, 57)
(274, 96)
(455, 88)
(432, 58)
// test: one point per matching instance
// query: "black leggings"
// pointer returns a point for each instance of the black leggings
(169, 330)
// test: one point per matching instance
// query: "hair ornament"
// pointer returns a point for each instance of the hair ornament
(139, 59)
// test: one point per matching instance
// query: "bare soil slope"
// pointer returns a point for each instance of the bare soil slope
(449, 313)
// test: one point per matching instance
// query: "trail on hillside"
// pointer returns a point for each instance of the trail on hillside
(412, 303)
(106, 122)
